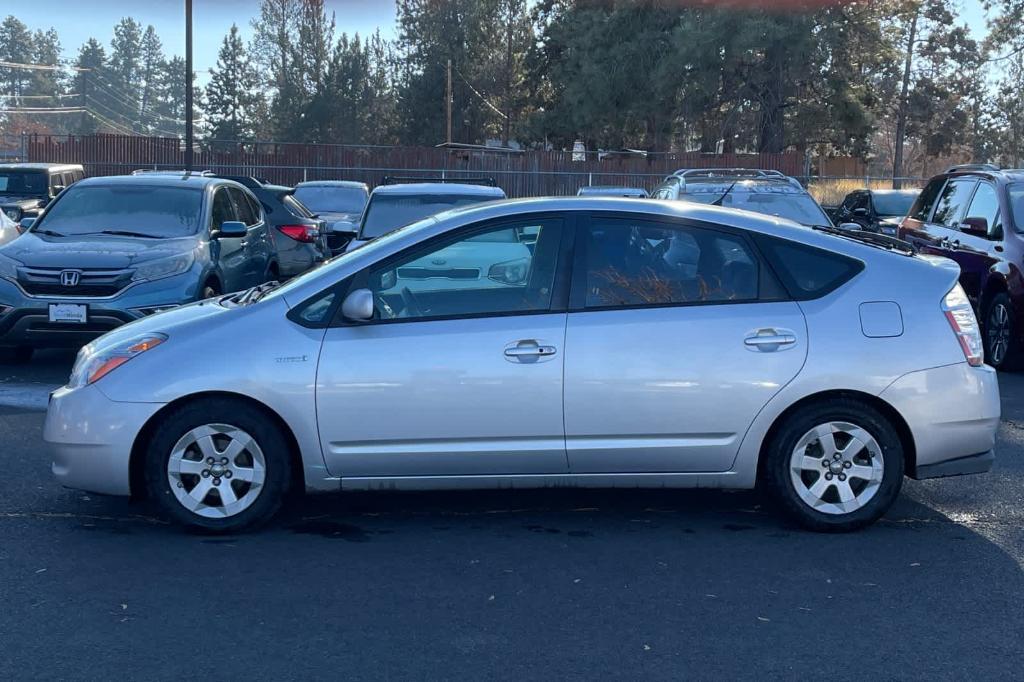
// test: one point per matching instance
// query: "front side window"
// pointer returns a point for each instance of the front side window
(159, 212)
(985, 204)
(502, 270)
(243, 209)
(949, 209)
(922, 208)
(223, 209)
(639, 263)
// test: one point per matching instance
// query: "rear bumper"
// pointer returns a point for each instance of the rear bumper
(953, 415)
(972, 464)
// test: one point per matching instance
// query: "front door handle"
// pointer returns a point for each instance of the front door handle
(769, 340)
(528, 350)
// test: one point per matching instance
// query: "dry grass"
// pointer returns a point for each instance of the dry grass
(832, 192)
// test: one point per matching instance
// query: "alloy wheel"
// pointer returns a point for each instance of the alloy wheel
(998, 333)
(216, 470)
(836, 467)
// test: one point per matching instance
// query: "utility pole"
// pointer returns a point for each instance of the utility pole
(188, 85)
(448, 102)
(901, 116)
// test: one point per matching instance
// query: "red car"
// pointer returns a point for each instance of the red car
(974, 214)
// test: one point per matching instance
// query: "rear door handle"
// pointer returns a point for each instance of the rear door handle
(768, 340)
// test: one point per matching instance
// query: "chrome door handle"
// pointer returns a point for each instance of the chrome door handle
(769, 339)
(528, 351)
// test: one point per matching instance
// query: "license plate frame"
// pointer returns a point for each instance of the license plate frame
(68, 313)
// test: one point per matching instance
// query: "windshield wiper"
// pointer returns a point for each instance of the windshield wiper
(873, 238)
(254, 294)
(48, 233)
(123, 233)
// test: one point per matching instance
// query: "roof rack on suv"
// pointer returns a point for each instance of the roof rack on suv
(973, 167)
(153, 171)
(246, 180)
(727, 173)
(403, 180)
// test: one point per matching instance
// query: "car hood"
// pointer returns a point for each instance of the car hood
(98, 251)
(342, 220)
(21, 202)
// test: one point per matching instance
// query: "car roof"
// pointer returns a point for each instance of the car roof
(610, 189)
(768, 185)
(156, 179)
(333, 183)
(441, 188)
(41, 166)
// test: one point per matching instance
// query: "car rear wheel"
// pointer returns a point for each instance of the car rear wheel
(218, 465)
(835, 466)
(1002, 348)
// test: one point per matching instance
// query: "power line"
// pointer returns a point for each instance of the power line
(124, 98)
(498, 111)
(118, 114)
(41, 110)
(41, 67)
(63, 96)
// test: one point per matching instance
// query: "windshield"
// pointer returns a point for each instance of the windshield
(894, 203)
(18, 182)
(799, 208)
(389, 211)
(153, 211)
(327, 199)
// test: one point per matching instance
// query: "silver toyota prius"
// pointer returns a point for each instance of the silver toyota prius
(627, 343)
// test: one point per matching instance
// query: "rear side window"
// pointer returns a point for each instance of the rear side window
(922, 208)
(807, 272)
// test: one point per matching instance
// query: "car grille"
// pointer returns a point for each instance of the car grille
(446, 273)
(91, 282)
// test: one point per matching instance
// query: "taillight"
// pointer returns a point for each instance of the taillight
(965, 325)
(306, 234)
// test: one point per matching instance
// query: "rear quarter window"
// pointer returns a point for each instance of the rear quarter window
(807, 272)
(922, 208)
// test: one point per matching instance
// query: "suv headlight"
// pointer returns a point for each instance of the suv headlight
(8, 268)
(90, 366)
(164, 267)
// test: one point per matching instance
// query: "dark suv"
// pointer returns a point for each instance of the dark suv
(26, 188)
(112, 250)
(975, 216)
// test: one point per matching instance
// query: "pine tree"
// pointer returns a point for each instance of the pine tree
(233, 95)
(152, 63)
(16, 47)
(92, 58)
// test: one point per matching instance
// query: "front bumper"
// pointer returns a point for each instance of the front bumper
(91, 436)
(27, 322)
(953, 415)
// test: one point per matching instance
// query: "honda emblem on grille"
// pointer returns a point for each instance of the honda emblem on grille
(70, 278)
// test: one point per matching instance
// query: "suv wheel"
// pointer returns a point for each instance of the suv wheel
(1002, 348)
(835, 466)
(218, 465)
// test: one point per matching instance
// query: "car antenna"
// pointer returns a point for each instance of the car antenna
(719, 200)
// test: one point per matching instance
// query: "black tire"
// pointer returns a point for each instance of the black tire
(16, 355)
(236, 413)
(776, 471)
(1000, 334)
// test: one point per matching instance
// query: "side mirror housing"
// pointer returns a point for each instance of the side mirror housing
(57, 189)
(977, 227)
(230, 229)
(358, 306)
(27, 223)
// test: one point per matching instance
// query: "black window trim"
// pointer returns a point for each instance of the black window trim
(559, 290)
(578, 293)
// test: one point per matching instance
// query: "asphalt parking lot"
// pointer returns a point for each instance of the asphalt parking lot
(550, 584)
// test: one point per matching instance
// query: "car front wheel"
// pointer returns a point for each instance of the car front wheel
(219, 466)
(835, 465)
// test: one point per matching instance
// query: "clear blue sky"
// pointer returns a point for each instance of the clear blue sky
(76, 22)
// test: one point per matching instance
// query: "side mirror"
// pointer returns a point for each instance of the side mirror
(977, 227)
(347, 230)
(56, 189)
(358, 306)
(852, 227)
(230, 229)
(27, 223)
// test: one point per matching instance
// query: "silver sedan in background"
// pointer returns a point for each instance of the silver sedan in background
(629, 344)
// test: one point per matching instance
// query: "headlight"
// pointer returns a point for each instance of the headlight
(510, 272)
(8, 268)
(165, 267)
(90, 366)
